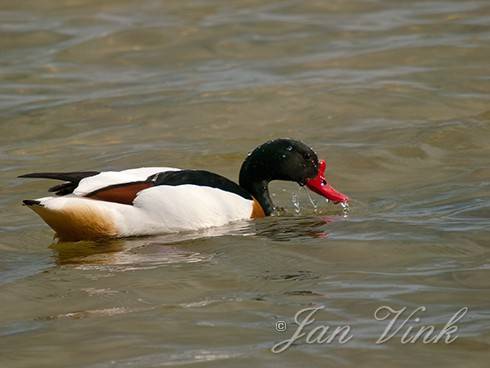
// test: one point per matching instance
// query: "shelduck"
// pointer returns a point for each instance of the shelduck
(92, 205)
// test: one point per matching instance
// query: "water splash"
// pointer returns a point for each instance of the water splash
(312, 201)
(295, 200)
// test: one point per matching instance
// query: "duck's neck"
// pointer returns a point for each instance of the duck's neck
(254, 178)
(260, 191)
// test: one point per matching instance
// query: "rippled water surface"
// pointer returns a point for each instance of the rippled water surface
(394, 94)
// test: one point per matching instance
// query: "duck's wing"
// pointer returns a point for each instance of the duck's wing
(108, 179)
(127, 190)
(83, 183)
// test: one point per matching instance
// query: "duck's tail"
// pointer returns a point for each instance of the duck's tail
(74, 218)
(72, 179)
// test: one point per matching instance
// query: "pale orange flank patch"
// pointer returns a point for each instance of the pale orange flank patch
(77, 223)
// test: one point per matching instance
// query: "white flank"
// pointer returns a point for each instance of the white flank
(187, 207)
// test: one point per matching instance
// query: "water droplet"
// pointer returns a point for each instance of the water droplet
(345, 208)
(295, 200)
(289, 148)
(283, 156)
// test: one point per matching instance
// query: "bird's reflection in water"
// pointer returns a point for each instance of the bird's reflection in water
(294, 228)
(141, 252)
(124, 254)
(152, 251)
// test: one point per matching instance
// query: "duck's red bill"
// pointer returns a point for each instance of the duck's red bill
(320, 186)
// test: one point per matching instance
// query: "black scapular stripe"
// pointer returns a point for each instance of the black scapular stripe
(73, 179)
(199, 177)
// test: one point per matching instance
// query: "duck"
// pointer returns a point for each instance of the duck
(93, 205)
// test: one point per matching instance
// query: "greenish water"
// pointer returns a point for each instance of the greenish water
(394, 94)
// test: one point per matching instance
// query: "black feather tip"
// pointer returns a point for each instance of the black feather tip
(31, 202)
